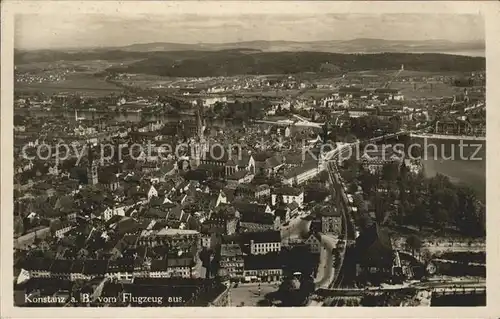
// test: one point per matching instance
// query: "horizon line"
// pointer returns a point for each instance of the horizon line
(477, 41)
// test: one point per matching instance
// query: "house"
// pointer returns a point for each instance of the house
(121, 269)
(267, 163)
(477, 126)
(95, 268)
(300, 174)
(388, 94)
(294, 159)
(283, 212)
(109, 180)
(287, 195)
(267, 268)
(38, 267)
(152, 192)
(451, 126)
(252, 208)
(54, 170)
(178, 237)
(328, 220)
(231, 259)
(240, 177)
(262, 191)
(63, 228)
(175, 266)
(208, 239)
(61, 268)
(224, 219)
(259, 222)
(115, 211)
(375, 160)
(76, 272)
(314, 243)
(167, 170)
(243, 162)
(262, 243)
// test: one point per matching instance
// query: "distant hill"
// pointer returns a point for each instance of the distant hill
(228, 63)
(335, 46)
(273, 57)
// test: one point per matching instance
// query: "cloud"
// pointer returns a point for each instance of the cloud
(87, 30)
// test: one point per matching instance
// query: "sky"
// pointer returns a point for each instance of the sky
(47, 31)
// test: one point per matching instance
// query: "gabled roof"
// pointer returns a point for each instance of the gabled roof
(249, 208)
(95, 267)
(288, 190)
(261, 218)
(38, 264)
(296, 171)
(238, 175)
(61, 266)
(267, 261)
(121, 265)
(264, 237)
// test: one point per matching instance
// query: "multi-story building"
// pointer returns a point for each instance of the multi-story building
(231, 259)
(262, 243)
(181, 267)
(267, 268)
(172, 238)
(287, 195)
(314, 244)
(327, 220)
(374, 160)
(299, 175)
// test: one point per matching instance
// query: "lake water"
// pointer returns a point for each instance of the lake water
(466, 168)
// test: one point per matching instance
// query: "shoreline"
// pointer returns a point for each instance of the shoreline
(450, 137)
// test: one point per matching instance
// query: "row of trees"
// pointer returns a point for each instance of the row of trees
(401, 198)
(240, 110)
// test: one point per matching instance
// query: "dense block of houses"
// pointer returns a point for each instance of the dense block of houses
(267, 268)
(231, 259)
(287, 195)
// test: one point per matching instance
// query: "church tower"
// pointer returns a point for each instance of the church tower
(92, 174)
(200, 146)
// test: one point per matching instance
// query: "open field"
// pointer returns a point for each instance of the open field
(90, 66)
(405, 73)
(75, 83)
(423, 90)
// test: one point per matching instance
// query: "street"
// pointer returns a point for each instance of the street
(249, 294)
(325, 268)
(326, 271)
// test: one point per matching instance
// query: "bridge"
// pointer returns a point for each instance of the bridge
(445, 289)
(300, 122)
(449, 137)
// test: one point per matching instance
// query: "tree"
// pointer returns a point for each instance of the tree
(18, 225)
(390, 172)
(413, 243)
(368, 181)
(365, 221)
(353, 188)
(441, 218)
(381, 207)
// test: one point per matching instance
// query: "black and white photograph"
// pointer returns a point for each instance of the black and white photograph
(248, 159)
